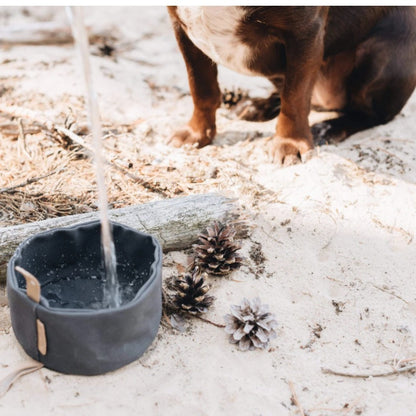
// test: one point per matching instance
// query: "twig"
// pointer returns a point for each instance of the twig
(390, 293)
(209, 322)
(10, 129)
(25, 368)
(17, 111)
(344, 410)
(38, 118)
(22, 139)
(406, 234)
(358, 375)
(75, 138)
(30, 181)
(341, 282)
(143, 182)
(389, 153)
(407, 360)
(295, 398)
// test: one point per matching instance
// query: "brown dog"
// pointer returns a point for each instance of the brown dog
(360, 61)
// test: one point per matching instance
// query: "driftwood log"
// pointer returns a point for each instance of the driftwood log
(175, 222)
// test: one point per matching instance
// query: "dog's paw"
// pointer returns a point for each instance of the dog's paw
(190, 137)
(287, 152)
(258, 109)
(328, 132)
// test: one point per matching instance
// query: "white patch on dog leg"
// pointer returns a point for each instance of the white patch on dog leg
(214, 31)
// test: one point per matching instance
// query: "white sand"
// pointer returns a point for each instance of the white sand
(350, 240)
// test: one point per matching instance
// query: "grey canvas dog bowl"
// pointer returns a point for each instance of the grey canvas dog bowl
(75, 336)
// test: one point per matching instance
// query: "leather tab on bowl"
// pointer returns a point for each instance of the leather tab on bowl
(42, 344)
(32, 284)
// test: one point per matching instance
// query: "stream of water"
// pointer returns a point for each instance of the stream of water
(111, 298)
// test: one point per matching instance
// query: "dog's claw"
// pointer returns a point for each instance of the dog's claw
(288, 152)
(290, 160)
(305, 157)
(187, 136)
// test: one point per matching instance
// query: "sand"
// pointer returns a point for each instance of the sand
(336, 233)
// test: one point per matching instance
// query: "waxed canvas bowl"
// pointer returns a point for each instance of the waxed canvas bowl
(84, 340)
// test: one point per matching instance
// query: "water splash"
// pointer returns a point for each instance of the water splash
(112, 287)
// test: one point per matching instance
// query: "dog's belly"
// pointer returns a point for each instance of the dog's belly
(214, 30)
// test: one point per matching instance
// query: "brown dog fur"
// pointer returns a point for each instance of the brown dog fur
(360, 61)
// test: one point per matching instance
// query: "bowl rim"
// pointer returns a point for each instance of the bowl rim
(12, 278)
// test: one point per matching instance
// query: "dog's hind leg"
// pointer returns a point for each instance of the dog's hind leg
(383, 78)
(338, 129)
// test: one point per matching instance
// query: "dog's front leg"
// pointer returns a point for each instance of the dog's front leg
(304, 53)
(206, 95)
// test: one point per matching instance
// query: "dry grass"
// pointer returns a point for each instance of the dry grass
(43, 176)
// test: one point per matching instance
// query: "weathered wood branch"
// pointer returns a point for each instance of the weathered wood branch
(406, 369)
(175, 222)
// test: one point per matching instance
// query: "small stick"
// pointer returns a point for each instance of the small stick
(75, 138)
(344, 410)
(407, 360)
(209, 322)
(295, 398)
(35, 117)
(390, 293)
(389, 153)
(14, 131)
(10, 379)
(143, 182)
(17, 111)
(358, 375)
(22, 139)
(30, 180)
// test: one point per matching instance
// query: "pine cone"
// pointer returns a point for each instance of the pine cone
(191, 293)
(231, 98)
(250, 325)
(216, 251)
